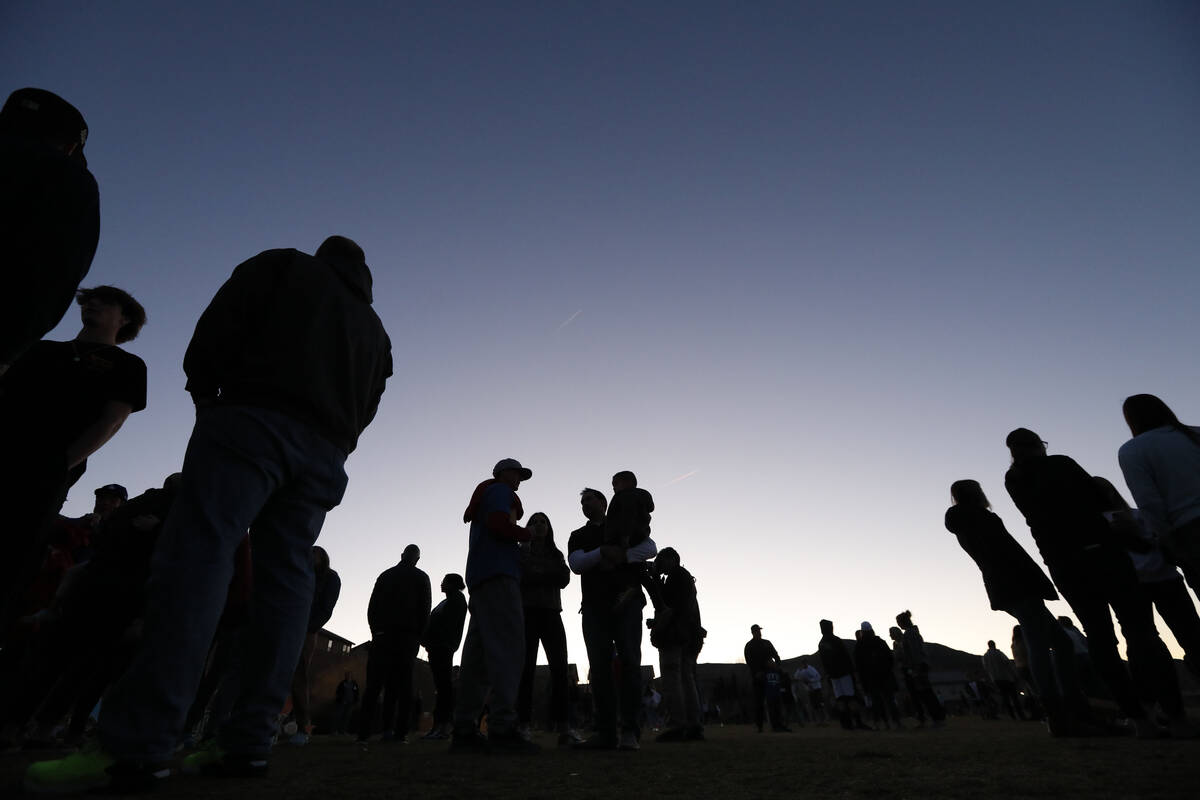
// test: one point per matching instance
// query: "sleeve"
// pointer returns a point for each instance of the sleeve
(582, 561)
(562, 573)
(643, 551)
(128, 382)
(1146, 494)
(327, 600)
(497, 505)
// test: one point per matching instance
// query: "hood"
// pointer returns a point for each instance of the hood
(356, 276)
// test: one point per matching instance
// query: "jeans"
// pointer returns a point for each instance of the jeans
(606, 629)
(245, 469)
(493, 656)
(390, 670)
(301, 705)
(677, 663)
(441, 664)
(1051, 654)
(1176, 608)
(544, 625)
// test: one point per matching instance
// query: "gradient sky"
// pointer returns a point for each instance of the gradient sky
(797, 265)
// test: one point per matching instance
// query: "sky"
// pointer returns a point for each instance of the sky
(797, 265)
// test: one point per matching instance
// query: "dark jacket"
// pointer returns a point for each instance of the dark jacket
(544, 574)
(1010, 575)
(875, 664)
(759, 655)
(295, 334)
(446, 623)
(325, 596)
(49, 226)
(835, 656)
(400, 602)
(677, 619)
(1063, 506)
(600, 588)
(628, 520)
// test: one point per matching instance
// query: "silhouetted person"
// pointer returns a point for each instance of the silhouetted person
(916, 666)
(442, 639)
(494, 651)
(49, 215)
(761, 660)
(1065, 512)
(327, 588)
(544, 574)
(612, 602)
(812, 681)
(1017, 586)
(286, 367)
(839, 667)
(60, 403)
(678, 635)
(398, 614)
(877, 670)
(345, 697)
(1003, 674)
(1161, 465)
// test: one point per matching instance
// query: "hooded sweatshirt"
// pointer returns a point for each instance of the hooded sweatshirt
(295, 334)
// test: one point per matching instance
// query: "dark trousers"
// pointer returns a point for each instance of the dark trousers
(605, 630)
(390, 670)
(544, 625)
(924, 698)
(769, 702)
(1176, 608)
(1104, 577)
(301, 707)
(883, 703)
(441, 665)
(1010, 699)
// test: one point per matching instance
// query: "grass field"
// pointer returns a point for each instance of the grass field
(970, 758)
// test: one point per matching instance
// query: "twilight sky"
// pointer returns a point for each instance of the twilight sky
(798, 265)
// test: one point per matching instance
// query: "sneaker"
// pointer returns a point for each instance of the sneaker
(90, 769)
(629, 741)
(436, 734)
(672, 735)
(299, 739)
(512, 742)
(569, 738)
(470, 742)
(598, 742)
(213, 760)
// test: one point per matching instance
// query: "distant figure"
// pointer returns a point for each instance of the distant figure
(327, 587)
(612, 602)
(839, 668)
(678, 635)
(877, 670)
(494, 652)
(1065, 512)
(398, 614)
(286, 367)
(544, 574)
(810, 677)
(1158, 579)
(916, 666)
(1003, 674)
(345, 698)
(60, 403)
(1161, 465)
(49, 215)
(1018, 587)
(762, 659)
(442, 638)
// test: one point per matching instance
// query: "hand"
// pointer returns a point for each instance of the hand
(613, 554)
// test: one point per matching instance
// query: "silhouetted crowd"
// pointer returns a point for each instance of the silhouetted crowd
(194, 609)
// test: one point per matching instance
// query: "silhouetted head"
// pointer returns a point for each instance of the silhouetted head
(895, 633)
(109, 498)
(110, 307)
(44, 116)
(453, 582)
(411, 555)
(320, 559)
(904, 619)
(593, 504)
(341, 250)
(1145, 412)
(540, 528)
(510, 472)
(991, 645)
(666, 560)
(968, 493)
(1023, 443)
(1113, 501)
(826, 627)
(624, 480)
(756, 631)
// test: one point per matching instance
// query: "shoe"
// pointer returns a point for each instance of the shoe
(213, 760)
(569, 738)
(694, 734)
(470, 742)
(91, 769)
(299, 739)
(512, 742)
(1146, 728)
(435, 734)
(597, 742)
(672, 735)
(629, 741)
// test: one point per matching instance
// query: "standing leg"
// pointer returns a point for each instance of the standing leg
(529, 668)
(554, 641)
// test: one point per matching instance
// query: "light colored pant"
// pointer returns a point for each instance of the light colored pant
(493, 657)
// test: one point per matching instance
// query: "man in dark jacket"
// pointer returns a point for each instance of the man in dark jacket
(398, 614)
(286, 367)
(839, 667)
(762, 659)
(49, 215)
(442, 639)
(326, 589)
(877, 671)
(1065, 509)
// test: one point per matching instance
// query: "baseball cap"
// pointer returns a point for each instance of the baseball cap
(1022, 436)
(511, 463)
(756, 627)
(114, 488)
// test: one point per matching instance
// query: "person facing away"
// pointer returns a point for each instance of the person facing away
(1161, 465)
(442, 638)
(345, 697)
(876, 669)
(49, 215)
(1065, 511)
(544, 574)
(1017, 586)
(678, 635)
(762, 659)
(398, 614)
(286, 368)
(494, 651)
(327, 587)
(839, 667)
(1003, 674)
(611, 607)
(916, 667)
(60, 403)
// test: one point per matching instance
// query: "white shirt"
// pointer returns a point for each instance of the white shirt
(1162, 470)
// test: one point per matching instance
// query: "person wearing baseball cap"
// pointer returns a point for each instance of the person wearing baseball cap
(761, 658)
(494, 651)
(49, 215)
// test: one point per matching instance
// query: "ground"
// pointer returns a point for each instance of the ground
(969, 758)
